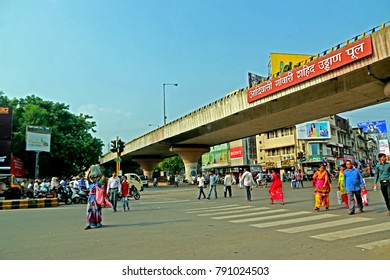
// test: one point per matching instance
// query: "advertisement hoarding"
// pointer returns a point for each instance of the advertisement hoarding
(236, 152)
(5, 139)
(313, 130)
(384, 146)
(279, 61)
(373, 127)
(38, 138)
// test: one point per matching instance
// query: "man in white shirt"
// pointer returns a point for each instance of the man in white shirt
(248, 182)
(113, 189)
(201, 181)
(228, 182)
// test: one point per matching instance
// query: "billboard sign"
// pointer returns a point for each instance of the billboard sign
(17, 167)
(374, 127)
(38, 138)
(236, 152)
(5, 138)
(384, 146)
(282, 61)
(313, 130)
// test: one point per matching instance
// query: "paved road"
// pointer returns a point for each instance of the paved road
(171, 223)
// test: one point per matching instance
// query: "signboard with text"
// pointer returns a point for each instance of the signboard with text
(332, 61)
(38, 138)
(236, 152)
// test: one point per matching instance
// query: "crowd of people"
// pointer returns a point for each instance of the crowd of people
(351, 186)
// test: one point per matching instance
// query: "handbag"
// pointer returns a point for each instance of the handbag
(101, 198)
(339, 199)
(364, 197)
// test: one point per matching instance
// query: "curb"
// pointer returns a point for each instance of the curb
(28, 203)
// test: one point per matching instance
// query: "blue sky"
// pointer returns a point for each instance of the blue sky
(109, 59)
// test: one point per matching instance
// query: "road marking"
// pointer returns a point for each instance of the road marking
(270, 217)
(294, 221)
(196, 210)
(229, 211)
(164, 202)
(250, 214)
(352, 232)
(324, 225)
(372, 245)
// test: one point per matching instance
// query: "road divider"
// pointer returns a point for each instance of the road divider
(28, 203)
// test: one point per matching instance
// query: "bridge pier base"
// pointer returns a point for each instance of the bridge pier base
(190, 157)
(147, 166)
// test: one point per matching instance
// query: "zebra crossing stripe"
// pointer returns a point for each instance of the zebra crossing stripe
(362, 230)
(270, 217)
(293, 221)
(250, 214)
(195, 210)
(369, 246)
(228, 211)
(324, 225)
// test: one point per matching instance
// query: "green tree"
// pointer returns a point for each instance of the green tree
(172, 164)
(73, 148)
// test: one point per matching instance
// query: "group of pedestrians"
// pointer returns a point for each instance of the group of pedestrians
(350, 185)
(104, 193)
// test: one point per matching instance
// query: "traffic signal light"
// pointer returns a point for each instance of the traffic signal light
(114, 146)
(120, 146)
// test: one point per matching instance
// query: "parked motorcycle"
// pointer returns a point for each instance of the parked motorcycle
(75, 195)
(64, 195)
(83, 194)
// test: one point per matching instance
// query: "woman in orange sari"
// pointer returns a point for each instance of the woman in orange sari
(275, 190)
(322, 188)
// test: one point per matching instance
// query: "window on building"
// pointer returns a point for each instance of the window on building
(315, 148)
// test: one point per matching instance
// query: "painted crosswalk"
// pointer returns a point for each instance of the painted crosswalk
(290, 221)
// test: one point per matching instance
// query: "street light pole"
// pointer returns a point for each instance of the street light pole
(168, 84)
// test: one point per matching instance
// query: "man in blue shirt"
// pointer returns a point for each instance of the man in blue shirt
(213, 184)
(382, 173)
(353, 182)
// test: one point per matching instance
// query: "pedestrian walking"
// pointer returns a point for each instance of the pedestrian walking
(293, 180)
(213, 185)
(275, 190)
(341, 186)
(228, 182)
(322, 188)
(94, 210)
(354, 184)
(125, 194)
(299, 178)
(176, 180)
(248, 183)
(201, 181)
(113, 189)
(382, 174)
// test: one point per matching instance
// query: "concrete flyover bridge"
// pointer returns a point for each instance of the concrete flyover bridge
(351, 75)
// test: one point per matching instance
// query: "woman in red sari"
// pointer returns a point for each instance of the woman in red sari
(275, 190)
(322, 188)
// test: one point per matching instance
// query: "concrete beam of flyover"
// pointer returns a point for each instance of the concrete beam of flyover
(353, 86)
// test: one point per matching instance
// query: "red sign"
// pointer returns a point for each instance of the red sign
(236, 152)
(334, 60)
(17, 167)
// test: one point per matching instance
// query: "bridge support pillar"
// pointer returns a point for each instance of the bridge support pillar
(147, 166)
(190, 157)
